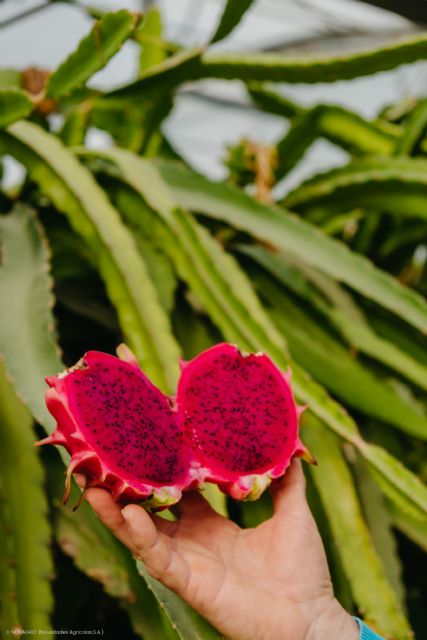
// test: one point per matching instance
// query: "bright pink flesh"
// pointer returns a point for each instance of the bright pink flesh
(131, 436)
(127, 420)
(234, 422)
(241, 418)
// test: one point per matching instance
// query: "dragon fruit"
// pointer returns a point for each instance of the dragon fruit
(241, 417)
(121, 431)
(233, 422)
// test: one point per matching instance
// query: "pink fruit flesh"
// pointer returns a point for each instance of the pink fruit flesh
(121, 413)
(241, 418)
(129, 435)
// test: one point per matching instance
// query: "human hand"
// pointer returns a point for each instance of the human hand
(267, 583)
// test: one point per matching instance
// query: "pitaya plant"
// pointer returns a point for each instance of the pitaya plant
(147, 250)
(233, 421)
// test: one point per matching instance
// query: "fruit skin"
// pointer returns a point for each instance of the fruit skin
(97, 466)
(265, 391)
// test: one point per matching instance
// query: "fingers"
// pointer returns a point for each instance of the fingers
(155, 548)
(289, 491)
(146, 535)
(108, 511)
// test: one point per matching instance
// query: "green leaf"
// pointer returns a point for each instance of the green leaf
(308, 283)
(73, 190)
(292, 147)
(273, 102)
(23, 506)
(415, 126)
(340, 309)
(288, 233)
(9, 616)
(14, 105)
(340, 582)
(230, 18)
(392, 185)
(351, 132)
(406, 236)
(161, 272)
(28, 341)
(216, 498)
(194, 334)
(408, 341)
(340, 126)
(185, 621)
(399, 484)
(93, 52)
(371, 590)
(125, 122)
(272, 67)
(378, 518)
(162, 105)
(414, 528)
(74, 128)
(166, 74)
(278, 104)
(364, 338)
(149, 36)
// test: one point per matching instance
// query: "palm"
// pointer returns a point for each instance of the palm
(276, 571)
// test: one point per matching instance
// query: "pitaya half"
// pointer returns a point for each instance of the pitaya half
(241, 417)
(233, 422)
(121, 431)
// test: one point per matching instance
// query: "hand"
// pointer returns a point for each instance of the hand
(267, 583)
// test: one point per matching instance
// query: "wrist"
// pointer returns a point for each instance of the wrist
(333, 622)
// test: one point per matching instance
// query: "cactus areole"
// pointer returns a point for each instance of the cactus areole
(234, 422)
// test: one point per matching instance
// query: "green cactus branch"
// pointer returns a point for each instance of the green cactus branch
(28, 344)
(267, 67)
(25, 548)
(393, 185)
(14, 105)
(283, 231)
(340, 126)
(233, 12)
(351, 535)
(104, 41)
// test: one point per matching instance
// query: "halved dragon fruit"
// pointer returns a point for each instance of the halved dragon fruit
(241, 417)
(234, 422)
(121, 431)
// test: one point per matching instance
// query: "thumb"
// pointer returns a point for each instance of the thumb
(288, 493)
